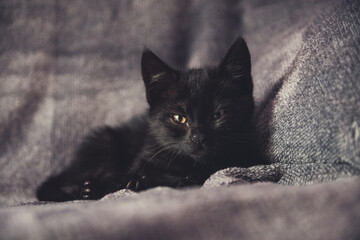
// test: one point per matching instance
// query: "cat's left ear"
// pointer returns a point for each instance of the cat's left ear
(237, 64)
(158, 77)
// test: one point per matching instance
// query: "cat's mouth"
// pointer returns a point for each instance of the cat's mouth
(199, 152)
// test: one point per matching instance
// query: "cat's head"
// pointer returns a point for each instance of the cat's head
(200, 112)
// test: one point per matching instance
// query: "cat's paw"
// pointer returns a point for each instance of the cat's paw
(87, 190)
(93, 189)
(57, 189)
(137, 183)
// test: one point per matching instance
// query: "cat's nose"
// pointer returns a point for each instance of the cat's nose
(197, 138)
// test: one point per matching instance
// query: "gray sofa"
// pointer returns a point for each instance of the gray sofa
(69, 66)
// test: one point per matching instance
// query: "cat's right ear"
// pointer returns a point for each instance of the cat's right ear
(158, 77)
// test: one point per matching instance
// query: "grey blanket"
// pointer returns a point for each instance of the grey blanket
(69, 66)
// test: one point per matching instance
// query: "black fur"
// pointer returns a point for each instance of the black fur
(156, 149)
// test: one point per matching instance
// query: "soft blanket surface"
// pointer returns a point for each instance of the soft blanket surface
(69, 66)
(256, 211)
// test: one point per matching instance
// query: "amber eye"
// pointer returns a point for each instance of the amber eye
(179, 118)
(217, 115)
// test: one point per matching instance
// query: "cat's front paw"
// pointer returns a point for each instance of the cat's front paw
(92, 189)
(87, 190)
(137, 183)
(59, 189)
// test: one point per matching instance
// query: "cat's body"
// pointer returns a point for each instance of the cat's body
(198, 123)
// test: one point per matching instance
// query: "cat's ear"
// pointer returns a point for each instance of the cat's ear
(237, 65)
(158, 77)
(237, 58)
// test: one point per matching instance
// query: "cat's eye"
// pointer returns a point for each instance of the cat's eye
(179, 118)
(217, 115)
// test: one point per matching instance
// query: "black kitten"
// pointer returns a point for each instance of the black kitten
(198, 123)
